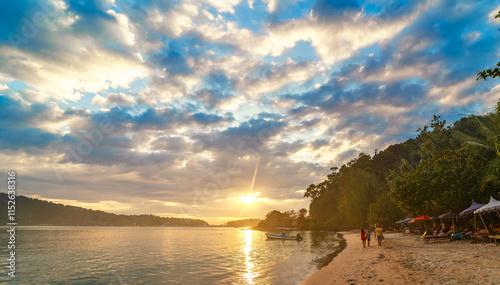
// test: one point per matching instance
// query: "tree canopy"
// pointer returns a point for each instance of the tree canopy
(493, 73)
(244, 223)
(445, 179)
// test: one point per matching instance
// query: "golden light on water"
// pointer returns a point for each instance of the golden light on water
(249, 274)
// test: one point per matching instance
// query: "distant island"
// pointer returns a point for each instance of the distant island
(35, 212)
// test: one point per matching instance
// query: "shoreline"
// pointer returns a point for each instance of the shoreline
(331, 256)
(407, 260)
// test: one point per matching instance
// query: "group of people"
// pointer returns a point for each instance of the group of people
(366, 236)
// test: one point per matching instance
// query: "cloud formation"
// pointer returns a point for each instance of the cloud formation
(178, 104)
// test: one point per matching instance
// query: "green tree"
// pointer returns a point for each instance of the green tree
(276, 219)
(244, 223)
(445, 178)
(342, 200)
(493, 73)
(490, 72)
(324, 197)
(301, 218)
(384, 211)
(358, 189)
(485, 144)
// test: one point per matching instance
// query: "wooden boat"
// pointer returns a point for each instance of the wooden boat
(272, 236)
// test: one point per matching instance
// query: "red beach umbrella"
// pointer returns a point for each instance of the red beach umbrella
(421, 218)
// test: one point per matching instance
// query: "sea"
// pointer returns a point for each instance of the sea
(163, 255)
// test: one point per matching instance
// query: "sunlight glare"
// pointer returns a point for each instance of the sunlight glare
(249, 199)
(249, 274)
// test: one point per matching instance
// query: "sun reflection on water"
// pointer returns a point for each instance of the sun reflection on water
(249, 274)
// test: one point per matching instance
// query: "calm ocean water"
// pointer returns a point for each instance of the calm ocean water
(115, 255)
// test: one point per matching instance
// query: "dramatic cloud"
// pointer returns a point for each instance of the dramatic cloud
(177, 104)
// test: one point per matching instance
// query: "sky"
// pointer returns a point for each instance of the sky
(223, 110)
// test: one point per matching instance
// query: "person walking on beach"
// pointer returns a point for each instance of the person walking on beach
(368, 236)
(378, 234)
(363, 237)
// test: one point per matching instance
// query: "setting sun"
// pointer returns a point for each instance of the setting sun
(250, 141)
(249, 199)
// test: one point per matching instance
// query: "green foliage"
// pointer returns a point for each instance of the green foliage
(34, 212)
(486, 146)
(343, 199)
(276, 219)
(493, 73)
(244, 223)
(358, 189)
(447, 177)
(288, 219)
(332, 224)
(384, 211)
(441, 170)
(301, 219)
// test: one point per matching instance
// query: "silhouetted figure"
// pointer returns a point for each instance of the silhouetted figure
(363, 237)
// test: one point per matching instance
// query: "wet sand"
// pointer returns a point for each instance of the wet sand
(407, 260)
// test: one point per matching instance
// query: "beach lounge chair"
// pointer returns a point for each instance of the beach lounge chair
(438, 237)
(468, 235)
(497, 239)
(482, 236)
(460, 235)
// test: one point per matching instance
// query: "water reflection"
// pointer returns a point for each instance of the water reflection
(104, 255)
(249, 274)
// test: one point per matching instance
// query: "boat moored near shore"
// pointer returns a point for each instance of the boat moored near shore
(273, 236)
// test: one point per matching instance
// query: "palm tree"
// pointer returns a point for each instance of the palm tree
(486, 143)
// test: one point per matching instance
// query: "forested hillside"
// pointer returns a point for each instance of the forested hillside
(443, 169)
(359, 187)
(34, 212)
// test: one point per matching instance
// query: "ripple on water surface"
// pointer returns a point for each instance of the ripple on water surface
(114, 255)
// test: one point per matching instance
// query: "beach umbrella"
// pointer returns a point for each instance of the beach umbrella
(435, 217)
(474, 206)
(419, 219)
(404, 221)
(400, 222)
(449, 215)
(493, 205)
(407, 220)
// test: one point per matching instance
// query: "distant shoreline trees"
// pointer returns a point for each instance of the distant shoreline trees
(244, 223)
(288, 219)
(35, 212)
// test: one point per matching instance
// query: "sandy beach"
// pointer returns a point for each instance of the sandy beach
(407, 260)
